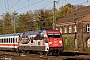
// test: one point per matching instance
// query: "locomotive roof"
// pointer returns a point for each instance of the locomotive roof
(32, 32)
(15, 34)
(36, 32)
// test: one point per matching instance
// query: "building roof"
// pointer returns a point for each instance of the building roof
(77, 15)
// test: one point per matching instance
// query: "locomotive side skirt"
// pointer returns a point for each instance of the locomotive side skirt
(35, 48)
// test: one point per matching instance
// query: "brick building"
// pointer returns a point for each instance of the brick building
(77, 25)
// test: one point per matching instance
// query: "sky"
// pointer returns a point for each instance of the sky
(22, 6)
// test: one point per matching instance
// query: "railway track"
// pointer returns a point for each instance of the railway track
(7, 55)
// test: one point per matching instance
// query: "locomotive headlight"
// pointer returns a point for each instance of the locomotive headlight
(60, 41)
(50, 42)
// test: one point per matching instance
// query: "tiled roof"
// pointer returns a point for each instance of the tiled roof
(77, 14)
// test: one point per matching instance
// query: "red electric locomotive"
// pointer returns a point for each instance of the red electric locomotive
(55, 42)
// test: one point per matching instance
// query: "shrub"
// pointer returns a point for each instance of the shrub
(68, 43)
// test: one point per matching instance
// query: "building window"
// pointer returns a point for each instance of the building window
(88, 28)
(70, 29)
(65, 29)
(75, 28)
(61, 29)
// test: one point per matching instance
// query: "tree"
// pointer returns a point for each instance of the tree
(36, 20)
(1, 26)
(8, 28)
(25, 22)
(65, 10)
(45, 19)
(21, 23)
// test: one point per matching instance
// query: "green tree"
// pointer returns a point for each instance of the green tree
(64, 10)
(21, 23)
(1, 26)
(45, 19)
(41, 17)
(25, 22)
(8, 28)
(36, 14)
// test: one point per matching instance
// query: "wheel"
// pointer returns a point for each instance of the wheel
(45, 53)
(28, 52)
(23, 51)
(41, 53)
(17, 50)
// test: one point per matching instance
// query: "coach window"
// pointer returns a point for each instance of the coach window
(0, 40)
(13, 40)
(4, 40)
(9, 40)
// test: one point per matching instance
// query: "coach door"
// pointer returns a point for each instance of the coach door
(15, 41)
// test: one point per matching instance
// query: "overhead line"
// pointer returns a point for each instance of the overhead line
(8, 5)
(30, 5)
(75, 1)
(15, 4)
(84, 2)
(5, 5)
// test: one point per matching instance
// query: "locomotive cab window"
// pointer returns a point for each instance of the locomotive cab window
(54, 35)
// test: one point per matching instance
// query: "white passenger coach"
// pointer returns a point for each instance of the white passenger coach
(9, 41)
